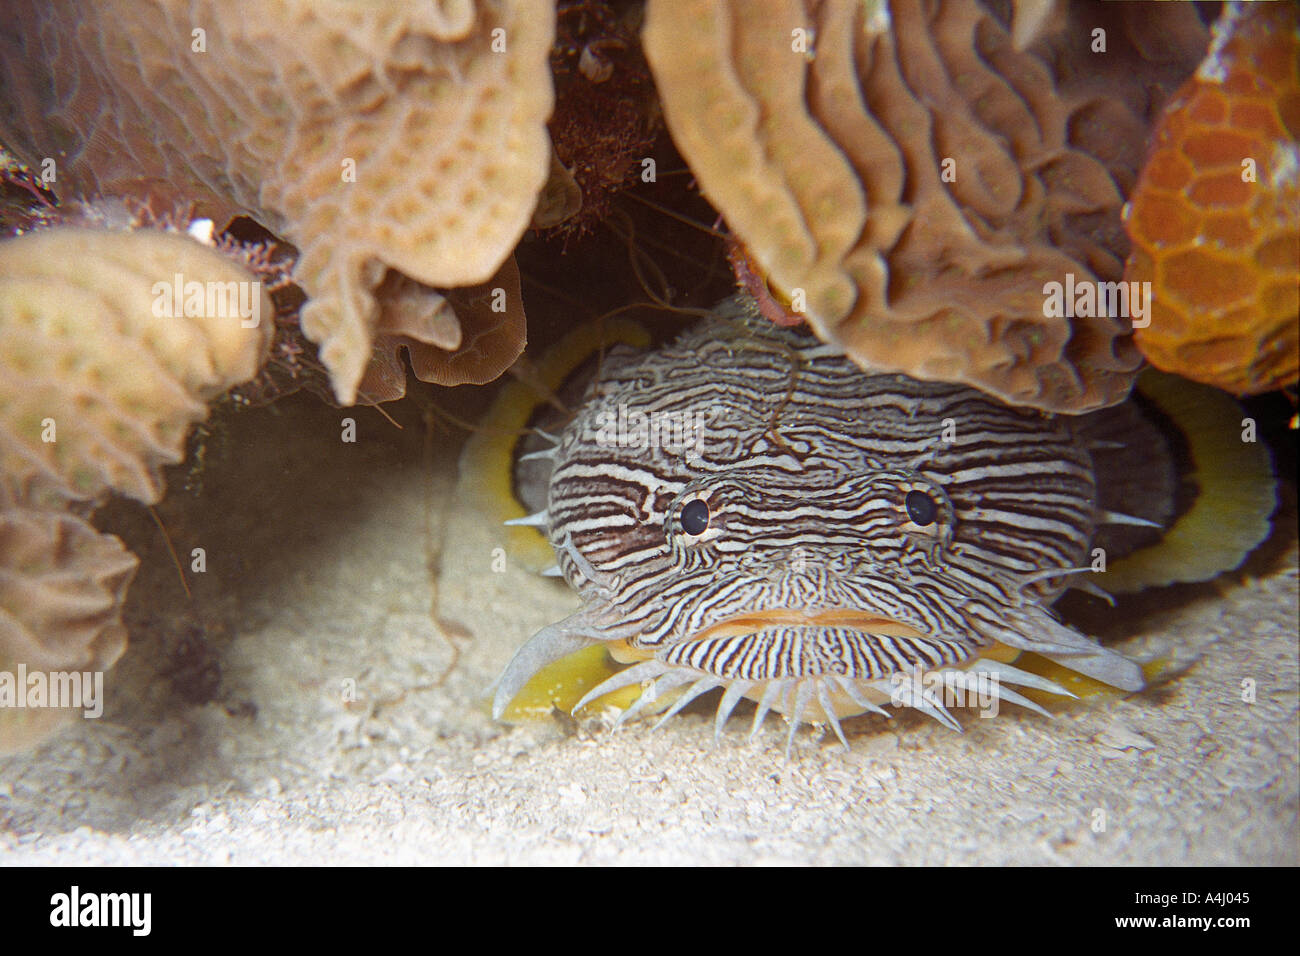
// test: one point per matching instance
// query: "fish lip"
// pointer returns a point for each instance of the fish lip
(752, 622)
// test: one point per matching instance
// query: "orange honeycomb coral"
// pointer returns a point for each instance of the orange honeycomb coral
(1215, 219)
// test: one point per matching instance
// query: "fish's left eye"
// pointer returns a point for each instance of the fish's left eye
(695, 517)
(921, 508)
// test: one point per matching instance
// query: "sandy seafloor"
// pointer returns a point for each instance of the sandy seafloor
(318, 573)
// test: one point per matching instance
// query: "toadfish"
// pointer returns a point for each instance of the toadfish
(747, 509)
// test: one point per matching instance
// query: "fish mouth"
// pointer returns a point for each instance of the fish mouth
(836, 617)
(754, 623)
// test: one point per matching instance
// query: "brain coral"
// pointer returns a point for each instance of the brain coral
(1215, 220)
(911, 176)
(373, 135)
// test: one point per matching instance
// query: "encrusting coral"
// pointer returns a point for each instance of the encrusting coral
(910, 177)
(606, 112)
(114, 342)
(1215, 219)
(373, 136)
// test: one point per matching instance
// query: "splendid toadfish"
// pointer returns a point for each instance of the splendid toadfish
(746, 509)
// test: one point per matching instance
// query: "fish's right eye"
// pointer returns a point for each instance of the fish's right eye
(695, 517)
(921, 508)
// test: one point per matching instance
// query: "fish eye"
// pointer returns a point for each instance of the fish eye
(921, 508)
(695, 517)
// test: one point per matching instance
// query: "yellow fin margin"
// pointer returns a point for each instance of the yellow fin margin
(1236, 499)
(487, 461)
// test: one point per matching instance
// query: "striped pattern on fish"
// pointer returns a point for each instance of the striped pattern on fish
(746, 508)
